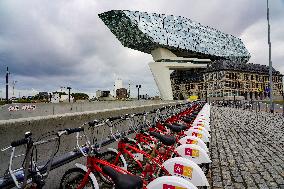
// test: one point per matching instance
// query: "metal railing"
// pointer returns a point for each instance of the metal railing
(257, 106)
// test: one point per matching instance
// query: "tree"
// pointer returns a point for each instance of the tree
(80, 96)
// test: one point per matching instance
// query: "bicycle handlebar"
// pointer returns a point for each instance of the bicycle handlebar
(93, 123)
(74, 130)
(19, 142)
(114, 118)
(139, 114)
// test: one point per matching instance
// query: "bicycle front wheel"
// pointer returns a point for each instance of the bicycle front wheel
(73, 178)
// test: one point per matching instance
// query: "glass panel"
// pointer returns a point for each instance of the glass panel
(147, 31)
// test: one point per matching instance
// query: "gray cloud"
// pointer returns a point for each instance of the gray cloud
(48, 44)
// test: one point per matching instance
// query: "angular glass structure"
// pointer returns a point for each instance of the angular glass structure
(148, 31)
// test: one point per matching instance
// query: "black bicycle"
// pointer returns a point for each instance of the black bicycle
(33, 173)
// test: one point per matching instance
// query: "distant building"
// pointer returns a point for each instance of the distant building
(100, 93)
(117, 85)
(248, 80)
(144, 97)
(104, 95)
(187, 83)
(121, 93)
(225, 79)
(65, 98)
(55, 98)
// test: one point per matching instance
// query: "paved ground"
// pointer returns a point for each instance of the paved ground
(247, 149)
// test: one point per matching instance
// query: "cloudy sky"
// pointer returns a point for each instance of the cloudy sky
(53, 43)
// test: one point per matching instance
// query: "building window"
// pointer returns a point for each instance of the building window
(228, 76)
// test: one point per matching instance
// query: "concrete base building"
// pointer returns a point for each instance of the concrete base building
(227, 80)
(189, 58)
(165, 63)
(250, 81)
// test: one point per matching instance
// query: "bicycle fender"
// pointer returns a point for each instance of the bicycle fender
(204, 113)
(194, 153)
(202, 119)
(193, 140)
(170, 182)
(207, 136)
(186, 169)
(202, 129)
(121, 156)
(202, 123)
(198, 133)
(92, 176)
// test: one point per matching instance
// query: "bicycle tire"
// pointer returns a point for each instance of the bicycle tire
(69, 182)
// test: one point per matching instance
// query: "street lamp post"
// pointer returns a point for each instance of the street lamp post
(283, 103)
(7, 85)
(69, 88)
(270, 64)
(14, 83)
(138, 88)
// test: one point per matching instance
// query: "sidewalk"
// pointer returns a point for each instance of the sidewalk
(246, 149)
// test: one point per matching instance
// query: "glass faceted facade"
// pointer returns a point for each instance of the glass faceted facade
(147, 31)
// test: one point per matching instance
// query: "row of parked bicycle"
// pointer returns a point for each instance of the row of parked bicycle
(169, 151)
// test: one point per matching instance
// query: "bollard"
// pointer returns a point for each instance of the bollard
(283, 109)
(283, 104)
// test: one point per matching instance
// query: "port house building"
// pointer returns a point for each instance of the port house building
(192, 59)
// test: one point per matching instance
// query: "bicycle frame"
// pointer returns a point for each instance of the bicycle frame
(123, 150)
(26, 175)
(147, 139)
(92, 165)
(142, 138)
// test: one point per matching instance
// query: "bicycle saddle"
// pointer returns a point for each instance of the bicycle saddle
(123, 181)
(183, 127)
(173, 128)
(187, 119)
(165, 139)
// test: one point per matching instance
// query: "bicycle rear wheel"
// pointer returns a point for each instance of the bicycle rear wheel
(72, 178)
(110, 157)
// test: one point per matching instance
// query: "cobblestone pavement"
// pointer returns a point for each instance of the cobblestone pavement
(247, 149)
